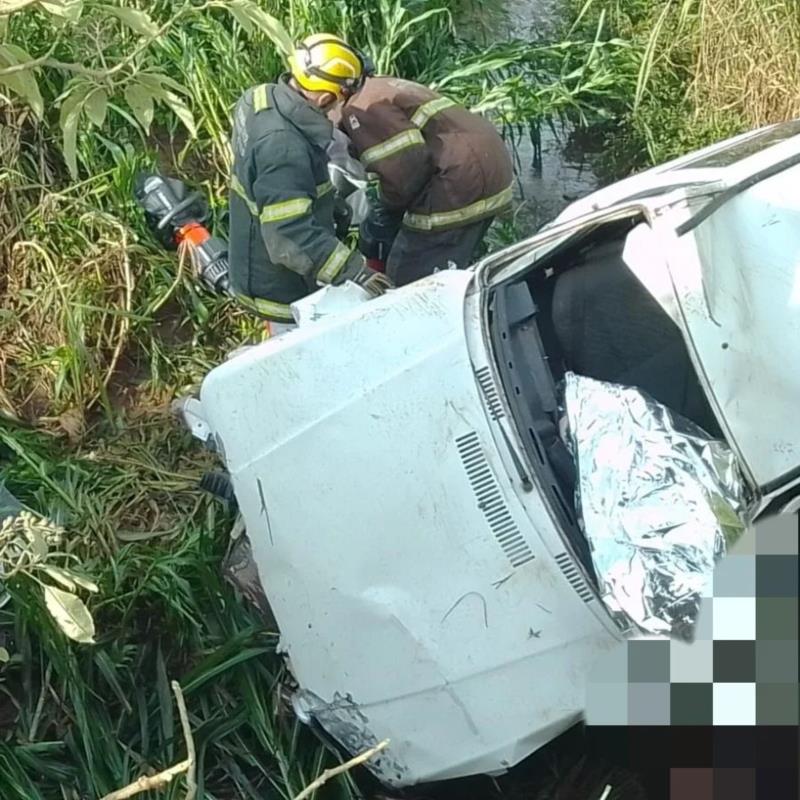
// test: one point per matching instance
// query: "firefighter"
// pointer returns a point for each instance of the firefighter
(442, 175)
(282, 236)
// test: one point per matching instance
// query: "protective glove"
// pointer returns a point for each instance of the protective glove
(381, 215)
(342, 216)
(378, 231)
(374, 283)
(376, 236)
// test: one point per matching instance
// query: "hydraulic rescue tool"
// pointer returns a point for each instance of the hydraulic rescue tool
(177, 217)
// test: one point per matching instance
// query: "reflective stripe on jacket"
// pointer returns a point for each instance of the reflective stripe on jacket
(438, 163)
(282, 240)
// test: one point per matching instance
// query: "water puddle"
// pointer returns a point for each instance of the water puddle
(499, 20)
(562, 171)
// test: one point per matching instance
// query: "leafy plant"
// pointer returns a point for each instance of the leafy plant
(705, 70)
(120, 68)
(28, 550)
(399, 31)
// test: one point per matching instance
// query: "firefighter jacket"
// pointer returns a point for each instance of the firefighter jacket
(438, 164)
(282, 243)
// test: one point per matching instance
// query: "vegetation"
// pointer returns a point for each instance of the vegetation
(100, 330)
(705, 70)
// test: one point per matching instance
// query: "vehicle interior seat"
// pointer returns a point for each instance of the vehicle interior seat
(610, 328)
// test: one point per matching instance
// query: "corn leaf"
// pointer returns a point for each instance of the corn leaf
(70, 614)
(10, 6)
(60, 576)
(4, 656)
(65, 10)
(69, 579)
(181, 111)
(138, 21)
(250, 16)
(155, 84)
(73, 101)
(69, 132)
(84, 583)
(156, 81)
(240, 15)
(14, 51)
(274, 30)
(476, 68)
(419, 19)
(648, 57)
(70, 114)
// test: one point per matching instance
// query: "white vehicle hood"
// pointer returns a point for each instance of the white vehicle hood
(417, 592)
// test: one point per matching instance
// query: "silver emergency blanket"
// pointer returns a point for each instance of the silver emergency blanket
(660, 502)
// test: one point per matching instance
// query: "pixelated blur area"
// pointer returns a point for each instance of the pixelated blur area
(718, 717)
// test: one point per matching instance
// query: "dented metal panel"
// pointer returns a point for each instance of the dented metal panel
(413, 604)
(737, 280)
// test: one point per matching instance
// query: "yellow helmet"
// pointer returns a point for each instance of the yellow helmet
(326, 63)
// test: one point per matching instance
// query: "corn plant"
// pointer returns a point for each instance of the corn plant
(117, 65)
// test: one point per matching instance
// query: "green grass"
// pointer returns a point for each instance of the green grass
(100, 716)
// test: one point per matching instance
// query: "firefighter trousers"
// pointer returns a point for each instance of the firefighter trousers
(415, 254)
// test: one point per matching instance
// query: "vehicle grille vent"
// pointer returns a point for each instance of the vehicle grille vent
(572, 574)
(490, 500)
(489, 390)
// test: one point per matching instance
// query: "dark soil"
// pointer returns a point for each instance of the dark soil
(130, 373)
(171, 326)
(560, 771)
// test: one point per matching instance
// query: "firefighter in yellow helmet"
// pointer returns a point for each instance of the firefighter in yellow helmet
(283, 244)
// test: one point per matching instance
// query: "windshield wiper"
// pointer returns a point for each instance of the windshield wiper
(733, 191)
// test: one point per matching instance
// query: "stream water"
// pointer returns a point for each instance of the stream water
(564, 172)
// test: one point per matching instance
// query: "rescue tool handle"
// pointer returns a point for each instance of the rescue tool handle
(175, 210)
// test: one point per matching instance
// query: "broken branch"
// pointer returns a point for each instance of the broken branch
(191, 776)
(346, 767)
(145, 783)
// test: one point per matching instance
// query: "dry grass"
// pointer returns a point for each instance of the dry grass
(708, 69)
(66, 288)
(66, 313)
(748, 60)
